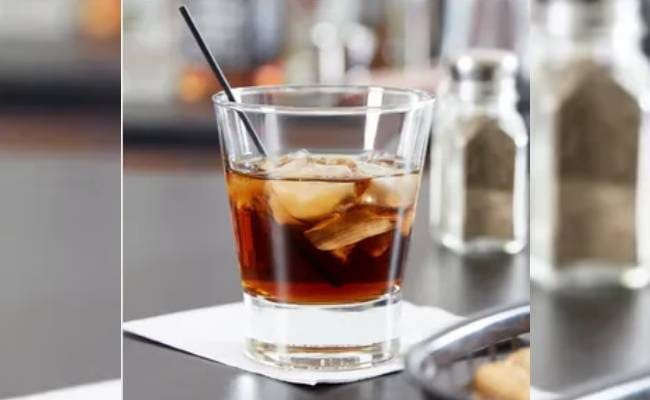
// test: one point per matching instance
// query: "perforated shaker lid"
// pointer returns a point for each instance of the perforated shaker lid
(484, 66)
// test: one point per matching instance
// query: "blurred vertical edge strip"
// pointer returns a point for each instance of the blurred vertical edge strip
(645, 11)
(60, 174)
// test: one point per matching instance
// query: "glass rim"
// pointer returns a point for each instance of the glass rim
(422, 99)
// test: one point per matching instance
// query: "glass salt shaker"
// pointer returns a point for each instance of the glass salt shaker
(479, 157)
(590, 146)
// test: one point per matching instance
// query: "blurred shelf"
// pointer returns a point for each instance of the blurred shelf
(170, 124)
(179, 124)
(60, 74)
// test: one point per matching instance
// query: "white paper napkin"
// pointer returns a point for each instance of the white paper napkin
(216, 333)
(108, 390)
(536, 394)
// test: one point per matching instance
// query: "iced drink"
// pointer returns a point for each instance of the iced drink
(322, 229)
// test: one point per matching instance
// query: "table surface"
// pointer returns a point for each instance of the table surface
(59, 249)
(178, 254)
(59, 292)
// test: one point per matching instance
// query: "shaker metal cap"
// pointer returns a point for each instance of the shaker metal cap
(484, 66)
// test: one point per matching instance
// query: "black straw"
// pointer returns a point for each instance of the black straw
(331, 278)
(221, 77)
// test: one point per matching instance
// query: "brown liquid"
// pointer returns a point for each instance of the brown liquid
(321, 241)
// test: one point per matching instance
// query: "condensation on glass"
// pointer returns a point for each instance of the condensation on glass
(590, 148)
(479, 188)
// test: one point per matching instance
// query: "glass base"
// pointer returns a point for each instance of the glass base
(323, 337)
(482, 246)
(322, 358)
(587, 276)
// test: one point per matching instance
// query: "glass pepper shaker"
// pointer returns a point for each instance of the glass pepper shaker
(479, 157)
(590, 146)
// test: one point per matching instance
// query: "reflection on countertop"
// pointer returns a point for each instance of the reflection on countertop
(581, 339)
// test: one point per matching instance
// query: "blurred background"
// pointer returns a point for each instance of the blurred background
(178, 247)
(60, 207)
(178, 244)
(167, 84)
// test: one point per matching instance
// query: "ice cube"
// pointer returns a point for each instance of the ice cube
(279, 213)
(342, 253)
(243, 191)
(369, 170)
(300, 156)
(374, 156)
(302, 153)
(314, 168)
(348, 228)
(309, 200)
(392, 191)
(288, 168)
(378, 245)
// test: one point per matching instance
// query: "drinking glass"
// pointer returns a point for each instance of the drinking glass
(323, 183)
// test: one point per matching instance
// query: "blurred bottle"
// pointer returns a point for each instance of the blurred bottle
(479, 156)
(407, 41)
(100, 19)
(327, 42)
(150, 51)
(60, 20)
(410, 26)
(499, 24)
(38, 20)
(245, 36)
(590, 148)
(300, 62)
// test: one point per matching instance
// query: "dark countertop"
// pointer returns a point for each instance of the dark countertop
(59, 250)
(179, 254)
(581, 339)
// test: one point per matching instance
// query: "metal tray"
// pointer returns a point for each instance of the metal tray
(443, 365)
(631, 387)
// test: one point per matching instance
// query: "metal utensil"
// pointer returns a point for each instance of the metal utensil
(443, 365)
